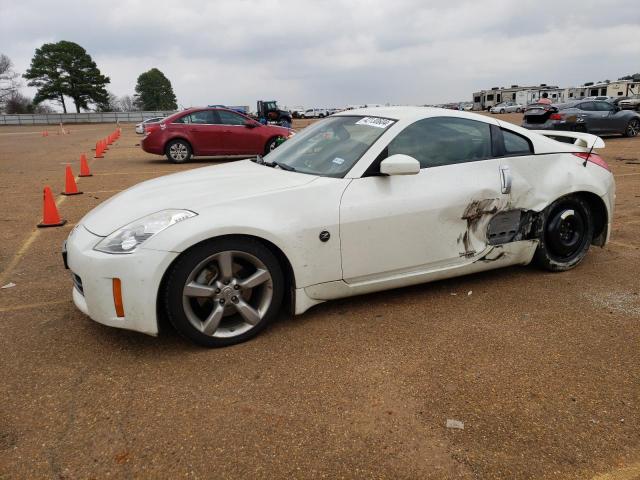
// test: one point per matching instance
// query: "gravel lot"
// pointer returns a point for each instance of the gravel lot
(543, 369)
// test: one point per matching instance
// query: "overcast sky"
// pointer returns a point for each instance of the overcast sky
(334, 52)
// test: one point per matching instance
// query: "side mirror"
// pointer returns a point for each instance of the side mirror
(250, 124)
(399, 164)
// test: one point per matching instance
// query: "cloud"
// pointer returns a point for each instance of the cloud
(335, 52)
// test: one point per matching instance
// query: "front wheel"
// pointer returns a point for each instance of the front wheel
(566, 234)
(272, 144)
(223, 291)
(178, 151)
(633, 128)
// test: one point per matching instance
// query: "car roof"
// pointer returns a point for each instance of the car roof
(413, 113)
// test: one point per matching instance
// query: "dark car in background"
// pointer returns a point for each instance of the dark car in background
(592, 116)
(210, 132)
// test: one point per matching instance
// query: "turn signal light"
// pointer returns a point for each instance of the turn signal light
(117, 297)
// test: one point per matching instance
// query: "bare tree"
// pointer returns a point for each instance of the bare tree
(18, 103)
(9, 80)
(127, 103)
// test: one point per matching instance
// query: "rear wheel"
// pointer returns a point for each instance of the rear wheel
(566, 234)
(178, 151)
(633, 128)
(223, 291)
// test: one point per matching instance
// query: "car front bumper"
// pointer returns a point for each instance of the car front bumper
(140, 274)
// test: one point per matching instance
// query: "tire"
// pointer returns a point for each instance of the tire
(178, 151)
(205, 300)
(271, 145)
(633, 128)
(502, 111)
(566, 234)
(518, 110)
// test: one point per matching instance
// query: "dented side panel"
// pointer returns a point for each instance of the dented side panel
(434, 219)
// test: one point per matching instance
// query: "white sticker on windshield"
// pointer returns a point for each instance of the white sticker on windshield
(338, 161)
(375, 122)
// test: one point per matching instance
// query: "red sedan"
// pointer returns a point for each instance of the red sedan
(208, 132)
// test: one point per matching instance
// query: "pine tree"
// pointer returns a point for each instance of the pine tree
(65, 68)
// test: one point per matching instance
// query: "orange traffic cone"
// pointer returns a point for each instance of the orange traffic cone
(50, 216)
(99, 151)
(45, 133)
(70, 186)
(105, 145)
(109, 139)
(84, 167)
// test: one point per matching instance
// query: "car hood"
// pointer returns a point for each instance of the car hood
(195, 190)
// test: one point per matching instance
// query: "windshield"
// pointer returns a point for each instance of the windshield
(330, 147)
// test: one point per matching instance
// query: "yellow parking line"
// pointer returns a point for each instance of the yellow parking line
(627, 473)
(18, 256)
(26, 244)
(32, 305)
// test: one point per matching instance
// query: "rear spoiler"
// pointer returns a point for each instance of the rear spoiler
(581, 139)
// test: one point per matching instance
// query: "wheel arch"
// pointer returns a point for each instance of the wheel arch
(283, 260)
(599, 214)
(178, 137)
(598, 210)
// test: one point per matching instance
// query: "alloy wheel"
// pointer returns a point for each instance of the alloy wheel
(633, 128)
(227, 294)
(178, 151)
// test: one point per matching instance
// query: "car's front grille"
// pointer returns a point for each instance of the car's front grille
(77, 282)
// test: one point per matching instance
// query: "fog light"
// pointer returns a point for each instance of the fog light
(117, 297)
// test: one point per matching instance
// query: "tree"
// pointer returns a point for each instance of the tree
(65, 68)
(127, 103)
(9, 82)
(635, 77)
(18, 103)
(154, 92)
(112, 104)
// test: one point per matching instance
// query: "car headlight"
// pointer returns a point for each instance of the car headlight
(129, 237)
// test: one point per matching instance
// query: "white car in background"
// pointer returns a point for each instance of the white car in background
(363, 201)
(140, 126)
(507, 107)
(314, 113)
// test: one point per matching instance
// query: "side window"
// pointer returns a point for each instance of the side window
(203, 117)
(230, 118)
(587, 106)
(603, 106)
(183, 119)
(515, 144)
(443, 141)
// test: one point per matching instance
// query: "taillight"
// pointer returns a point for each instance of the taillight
(556, 116)
(593, 158)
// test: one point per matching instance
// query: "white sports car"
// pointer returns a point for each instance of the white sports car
(363, 201)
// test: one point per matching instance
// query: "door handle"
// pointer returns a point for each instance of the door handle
(505, 179)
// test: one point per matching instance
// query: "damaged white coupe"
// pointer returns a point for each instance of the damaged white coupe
(363, 201)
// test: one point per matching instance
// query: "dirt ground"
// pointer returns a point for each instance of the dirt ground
(543, 369)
